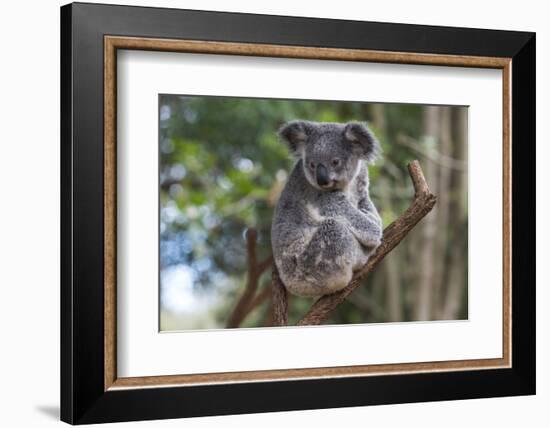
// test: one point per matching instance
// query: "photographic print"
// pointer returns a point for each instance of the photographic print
(247, 184)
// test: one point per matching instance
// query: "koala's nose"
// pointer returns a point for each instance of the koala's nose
(322, 175)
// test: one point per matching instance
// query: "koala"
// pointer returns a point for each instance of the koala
(325, 227)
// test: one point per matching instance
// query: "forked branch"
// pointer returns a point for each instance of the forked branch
(250, 298)
(421, 205)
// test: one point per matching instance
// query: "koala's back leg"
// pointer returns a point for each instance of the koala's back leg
(328, 261)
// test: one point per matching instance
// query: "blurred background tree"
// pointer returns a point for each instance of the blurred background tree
(222, 169)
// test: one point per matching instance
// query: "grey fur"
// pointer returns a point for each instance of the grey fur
(322, 233)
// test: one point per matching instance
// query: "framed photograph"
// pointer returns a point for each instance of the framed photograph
(267, 213)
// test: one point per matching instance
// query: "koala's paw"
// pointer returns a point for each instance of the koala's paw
(372, 245)
(374, 238)
(376, 243)
(335, 197)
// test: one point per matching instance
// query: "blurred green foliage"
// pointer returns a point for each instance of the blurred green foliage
(222, 168)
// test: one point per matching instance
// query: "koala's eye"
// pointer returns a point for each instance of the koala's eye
(335, 162)
(312, 165)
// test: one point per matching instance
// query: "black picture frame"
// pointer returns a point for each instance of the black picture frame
(83, 398)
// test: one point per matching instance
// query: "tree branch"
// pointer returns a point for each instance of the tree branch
(421, 205)
(264, 265)
(249, 300)
(279, 299)
(260, 297)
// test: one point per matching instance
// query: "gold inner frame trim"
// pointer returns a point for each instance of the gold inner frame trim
(113, 43)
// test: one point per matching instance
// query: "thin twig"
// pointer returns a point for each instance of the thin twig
(259, 298)
(432, 154)
(264, 265)
(421, 205)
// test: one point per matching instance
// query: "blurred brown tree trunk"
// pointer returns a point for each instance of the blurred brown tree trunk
(444, 151)
(423, 307)
(457, 271)
(394, 310)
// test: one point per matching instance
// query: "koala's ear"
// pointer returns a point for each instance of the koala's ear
(364, 141)
(295, 134)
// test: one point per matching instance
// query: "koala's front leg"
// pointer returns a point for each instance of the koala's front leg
(374, 227)
(364, 222)
(365, 226)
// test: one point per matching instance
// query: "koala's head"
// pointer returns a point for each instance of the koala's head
(330, 152)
